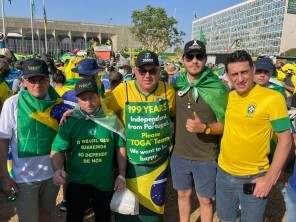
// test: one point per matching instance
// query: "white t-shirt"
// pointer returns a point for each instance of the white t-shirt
(29, 169)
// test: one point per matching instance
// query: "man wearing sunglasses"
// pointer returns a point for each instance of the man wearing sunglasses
(146, 106)
(201, 102)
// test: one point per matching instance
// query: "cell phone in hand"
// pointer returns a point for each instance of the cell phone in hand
(249, 188)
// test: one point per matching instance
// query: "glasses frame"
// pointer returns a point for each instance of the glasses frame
(151, 72)
(198, 56)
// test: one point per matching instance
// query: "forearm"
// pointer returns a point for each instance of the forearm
(57, 160)
(217, 128)
(289, 88)
(281, 155)
(121, 160)
(3, 158)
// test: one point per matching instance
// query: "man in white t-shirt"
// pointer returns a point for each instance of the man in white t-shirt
(28, 124)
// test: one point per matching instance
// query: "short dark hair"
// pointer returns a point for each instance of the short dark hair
(59, 77)
(238, 56)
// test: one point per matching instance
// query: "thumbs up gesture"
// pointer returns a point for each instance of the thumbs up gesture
(195, 125)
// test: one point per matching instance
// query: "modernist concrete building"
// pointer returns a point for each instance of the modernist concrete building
(262, 27)
(63, 36)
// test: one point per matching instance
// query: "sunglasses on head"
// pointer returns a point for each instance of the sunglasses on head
(190, 57)
(150, 71)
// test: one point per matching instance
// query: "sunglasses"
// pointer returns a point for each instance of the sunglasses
(150, 71)
(190, 57)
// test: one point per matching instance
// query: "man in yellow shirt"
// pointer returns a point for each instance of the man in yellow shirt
(253, 112)
(146, 106)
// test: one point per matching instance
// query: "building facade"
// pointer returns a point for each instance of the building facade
(262, 27)
(63, 36)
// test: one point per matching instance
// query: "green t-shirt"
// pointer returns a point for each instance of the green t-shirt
(90, 147)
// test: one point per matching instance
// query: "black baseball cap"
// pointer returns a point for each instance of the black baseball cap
(265, 64)
(84, 85)
(195, 45)
(35, 67)
(147, 57)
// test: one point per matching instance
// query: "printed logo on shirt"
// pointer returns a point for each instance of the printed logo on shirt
(92, 132)
(251, 110)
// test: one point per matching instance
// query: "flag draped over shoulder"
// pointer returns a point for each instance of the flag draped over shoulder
(103, 117)
(36, 128)
(202, 37)
(209, 87)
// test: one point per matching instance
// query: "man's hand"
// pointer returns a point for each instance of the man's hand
(263, 186)
(195, 125)
(7, 184)
(119, 184)
(65, 115)
(59, 177)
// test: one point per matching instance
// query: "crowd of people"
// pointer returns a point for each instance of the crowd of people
(99, 128)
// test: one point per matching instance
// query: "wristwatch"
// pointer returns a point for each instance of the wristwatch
(207, 130)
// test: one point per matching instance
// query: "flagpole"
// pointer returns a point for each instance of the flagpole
(32, 30)
(3, 17)
(45, 29)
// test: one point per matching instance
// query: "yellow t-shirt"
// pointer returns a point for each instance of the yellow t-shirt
(117, 99)
(5, 92)
(249, 124)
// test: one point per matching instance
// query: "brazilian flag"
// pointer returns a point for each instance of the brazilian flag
(36, 128)
(148, 182)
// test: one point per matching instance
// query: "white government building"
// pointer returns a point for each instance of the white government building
(262, 27)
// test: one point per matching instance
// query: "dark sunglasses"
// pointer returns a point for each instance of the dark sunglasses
(150, 71)
(190, 57)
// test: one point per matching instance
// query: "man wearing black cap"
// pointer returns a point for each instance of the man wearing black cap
(263, 75)
(90, 136)
(32, 115)
(146, 105)
(201, 102)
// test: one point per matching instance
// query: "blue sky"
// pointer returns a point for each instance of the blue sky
(99, 11)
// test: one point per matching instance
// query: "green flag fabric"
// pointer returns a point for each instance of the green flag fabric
(209, 87)
(36, 128)
(202, 37)
(103, 117)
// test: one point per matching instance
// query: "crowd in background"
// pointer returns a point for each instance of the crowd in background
(198, 112)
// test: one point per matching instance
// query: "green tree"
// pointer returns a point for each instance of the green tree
(290, 52)
(155, 30)
(179, 50)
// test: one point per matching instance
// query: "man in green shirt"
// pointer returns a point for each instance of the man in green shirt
(90, 137)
